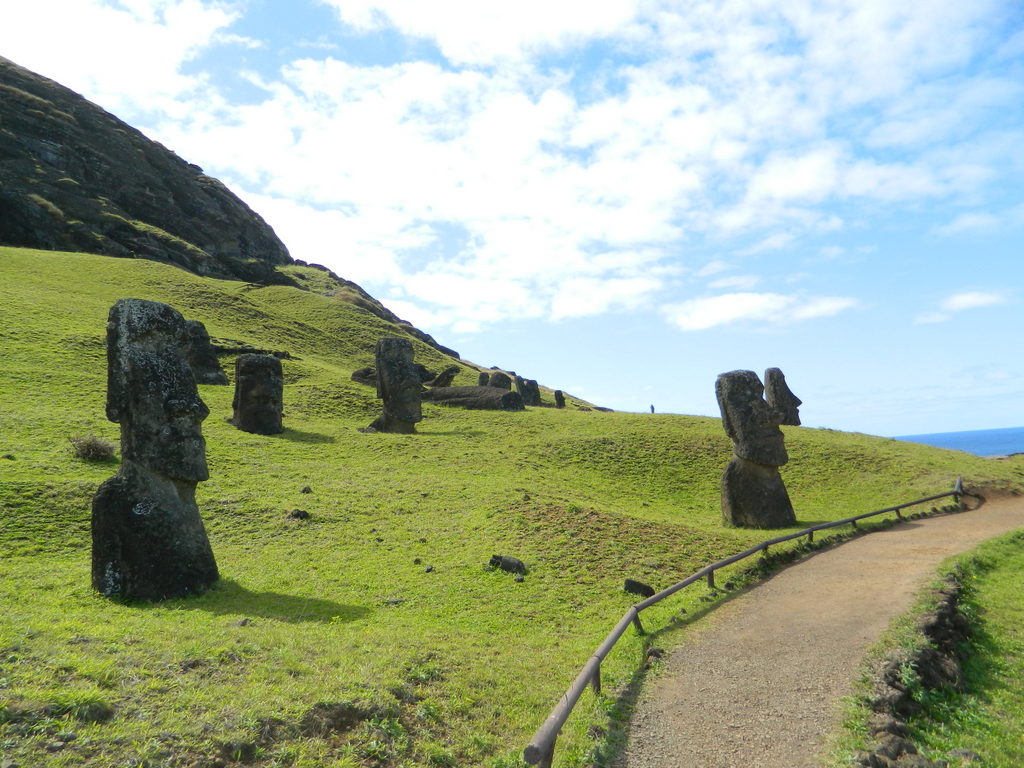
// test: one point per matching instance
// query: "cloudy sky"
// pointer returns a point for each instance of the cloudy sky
(620, 199)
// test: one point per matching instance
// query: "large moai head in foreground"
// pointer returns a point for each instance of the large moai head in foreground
(259, 394)
(148, 540)
(749, 421)
(399, 385)
(151, 391)
(780, 397)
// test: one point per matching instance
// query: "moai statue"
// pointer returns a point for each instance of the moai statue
(780, 397)
(500, 380)
(398, 385)
(148, 540)
(753, 494)
(259, 393)
(201, 355)
(559, 399)
(484, 379)
(531, 393)
(445, 377)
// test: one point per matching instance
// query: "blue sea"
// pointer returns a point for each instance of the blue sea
(981, 442)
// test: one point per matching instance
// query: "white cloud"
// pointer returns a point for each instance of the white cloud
(474, 32)
(959, 302)
(709, 312)
(128, 59)
(736, 282)
(554, 190)
(971, 300)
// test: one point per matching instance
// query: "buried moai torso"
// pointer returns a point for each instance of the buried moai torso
(753, 494)
(398, 385)
(259, 392)
(148, 539)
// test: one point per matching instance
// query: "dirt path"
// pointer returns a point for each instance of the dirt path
(758, 685)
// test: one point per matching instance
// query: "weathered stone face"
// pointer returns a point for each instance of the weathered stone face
(529, 389)
(398, 385)
(559, 399)
(780, 397)
(483, 379)
(148, 538)
(151, 392)
(201, 356)
(748, 420)
(259, 394)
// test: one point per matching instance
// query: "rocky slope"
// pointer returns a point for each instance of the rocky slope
(75, 178)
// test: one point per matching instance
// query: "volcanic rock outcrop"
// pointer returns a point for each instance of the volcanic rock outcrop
(148, 540)
(753, 494)
(74, 177)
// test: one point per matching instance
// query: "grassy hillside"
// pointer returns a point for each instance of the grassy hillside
(370, 634)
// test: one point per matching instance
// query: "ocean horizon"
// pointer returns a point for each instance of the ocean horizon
(980, 442)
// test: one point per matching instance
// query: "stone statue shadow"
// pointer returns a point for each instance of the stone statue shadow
(228, 597)
(299, 436)
(452, 432)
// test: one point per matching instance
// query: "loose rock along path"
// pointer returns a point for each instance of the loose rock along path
(758, 685)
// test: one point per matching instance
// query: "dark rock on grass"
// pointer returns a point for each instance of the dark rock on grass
(476, 398)
(507, 563)
(306, 489)
(634, 587)
(299, 514)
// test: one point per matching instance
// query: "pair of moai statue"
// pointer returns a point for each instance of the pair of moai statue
(149, 542)
(753, 494)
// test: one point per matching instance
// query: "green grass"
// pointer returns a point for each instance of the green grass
(986, 716)
(338, 614)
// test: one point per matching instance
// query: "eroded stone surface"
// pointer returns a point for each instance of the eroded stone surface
(258, 404)
(148, 540)
(753, 494)
(476, 398)
(500, 380)
(398, 385)
(559, 399)
(201, 355)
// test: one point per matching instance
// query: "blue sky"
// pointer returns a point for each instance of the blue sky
(625, 199)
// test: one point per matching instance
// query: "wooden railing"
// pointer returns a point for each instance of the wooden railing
(541, 748)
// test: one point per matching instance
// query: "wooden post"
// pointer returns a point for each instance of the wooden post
(595, 681)
(711, 579)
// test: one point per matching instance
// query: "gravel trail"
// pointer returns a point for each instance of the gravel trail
(758, 684)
